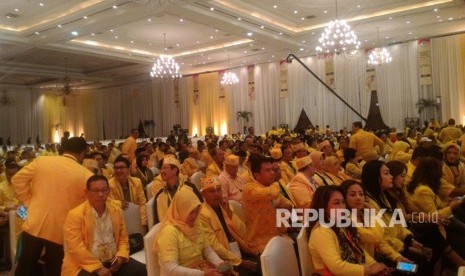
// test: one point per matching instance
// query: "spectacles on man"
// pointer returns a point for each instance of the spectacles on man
(120, 167)
(102, 191)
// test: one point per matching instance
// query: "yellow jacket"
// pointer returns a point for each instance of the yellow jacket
(49, 187)
(302, 190)
(287, 173)
(425, 200)
(372, 239)
(129, 148)
(364, 142)
(213, 170)
(448, 175)
(450, 133)
(259, 202)
(137, 195)
(79, 235)
(206, 157)
(325, 251)
(7, 195)
(216, 235)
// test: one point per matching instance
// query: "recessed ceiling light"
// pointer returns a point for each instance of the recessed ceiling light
(181, 20)
(132, 41)
(358, 6)
(408, 22)
(36, 33)
(301, 49)
(239, 18)
(272, 56)
(438, 16)
(303, 41)
(75, 33)
(249, 34)
(366, 40)
(302, 18)
(197, 42)
(440, 20)
(111, 30)
(85, 17)
(216, 30)
(212, 9)
(262, 27)
(92, 34)
(211, 37)
(450, 18)
(281, 33)
(16, 10)
(41, 4)
(275, 7)
(116, 37)
(296, 11)
(115, 7)
(325, 11)
(387, 37)
(410, 33)
(245, 52)
(390, 18)
(209, 58)
(59, 26)
(263, 48)
(149, 20)
(435, 10)
(177, 44)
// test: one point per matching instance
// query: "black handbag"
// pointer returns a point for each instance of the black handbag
(136, 243)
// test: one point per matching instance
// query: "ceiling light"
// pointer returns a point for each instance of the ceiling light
(16, 10)
(302, 18)
(379, 56)
(440, 20)
(216, 30)
(149, 20)
(181, 20)
(450, 18)
(337, 37)
(92, 34)
(111, 30)
(410, 33)
(281, 33)
(435, 10)
(387, 37)
(408, 22)
(438, 16)
(41, 4)
(295, 12)
(249, 34)
(132, 42)
(212, 9)
(239, 18)
(116, 37)
(301, 49)
(211, 37)
(303, 41)
(262, 27)
(36, 33)
(59, 26)
(165, 66)
(390, 18)
(115, 7)
(74, 33)
(358, 6)
(85, 17)
(275, 6)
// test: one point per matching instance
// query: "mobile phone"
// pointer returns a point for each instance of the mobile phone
(109, 263)
(407, 267)
(22, 212)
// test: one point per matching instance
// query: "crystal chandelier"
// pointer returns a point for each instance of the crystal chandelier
(229, 78)
(165, 66)
(337, 38)
(379, 56)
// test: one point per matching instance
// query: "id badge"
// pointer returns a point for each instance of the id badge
(234, 247)
(104, 252)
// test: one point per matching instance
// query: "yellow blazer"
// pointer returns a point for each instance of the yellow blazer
(79, 235)
(216, 235)
(448, 175)
(49, 187)
(129, 148)
(213, 170)
(206, 157)
(325, 252)
(372, 239)
(136, 192)
(364, 142)
(286, 172)
(302, 190)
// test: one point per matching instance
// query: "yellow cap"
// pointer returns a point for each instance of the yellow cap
(231, 160)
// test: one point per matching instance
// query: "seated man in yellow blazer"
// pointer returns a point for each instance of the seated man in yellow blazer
(125, 189)
(216, 167)
(223, 228)
(95, 236)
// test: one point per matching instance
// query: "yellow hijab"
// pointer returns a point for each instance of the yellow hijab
(182, 205)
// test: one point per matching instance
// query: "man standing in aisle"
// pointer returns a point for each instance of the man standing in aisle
(49, 187)
(130, 145)
(364, 142)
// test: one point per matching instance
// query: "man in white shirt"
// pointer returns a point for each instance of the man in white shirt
(232, 184)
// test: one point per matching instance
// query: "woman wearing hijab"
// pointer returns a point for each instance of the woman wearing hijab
(181, 245)
(453, 170)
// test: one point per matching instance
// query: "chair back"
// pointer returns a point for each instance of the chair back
(237, 209)
(151, 258)
(461, 271)
(148, 189)
(306, 264)
(149, 208)
(132, 219)
(279, 258)
(195, 179)
(13, 239)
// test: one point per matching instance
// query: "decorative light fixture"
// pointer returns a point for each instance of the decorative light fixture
(379, 56)
(337, 38)
(165, 66)
(229, 78)
(65, 88)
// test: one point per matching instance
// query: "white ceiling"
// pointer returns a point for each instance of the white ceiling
(118, 40)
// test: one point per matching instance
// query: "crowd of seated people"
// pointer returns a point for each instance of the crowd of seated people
(417, 173)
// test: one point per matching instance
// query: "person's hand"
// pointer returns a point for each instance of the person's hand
(212, 272)
(403, 259)
(443, 221)
(124, 204)
(454, 203)
(249, 265)
(416, 244)
(375, 268)
(117, 264)
(103, 272)
(226, 208)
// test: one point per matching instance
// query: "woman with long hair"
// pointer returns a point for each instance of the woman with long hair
(143, 172)
(350, 164)
(423, 192)
(336, 250)
(398, 192)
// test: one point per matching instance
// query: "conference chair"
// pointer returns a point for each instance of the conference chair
(148, 190)
(149, 208)
(153, 267)
(237, 209)
(133, 225)
(461, 271)
(279, 258)
(306, 264)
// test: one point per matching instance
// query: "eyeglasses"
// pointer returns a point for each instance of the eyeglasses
(103, 191)
(120, 167)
